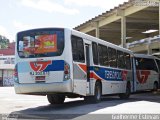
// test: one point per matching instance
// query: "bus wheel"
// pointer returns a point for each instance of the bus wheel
(155, 86)
(97, 94)
(55, 99)
(127, 93)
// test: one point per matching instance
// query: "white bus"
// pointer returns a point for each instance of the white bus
(147, 71)
(60, 62)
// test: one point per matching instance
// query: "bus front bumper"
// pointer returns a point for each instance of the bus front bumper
(43, 88)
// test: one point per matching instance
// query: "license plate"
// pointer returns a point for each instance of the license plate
(40, 78)
(39, 73)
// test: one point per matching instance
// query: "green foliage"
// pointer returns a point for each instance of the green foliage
(4, 42)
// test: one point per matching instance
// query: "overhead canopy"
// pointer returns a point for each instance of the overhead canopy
(138, 19)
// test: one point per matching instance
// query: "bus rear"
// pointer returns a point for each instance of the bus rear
(41, 64)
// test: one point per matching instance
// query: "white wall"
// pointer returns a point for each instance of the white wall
(7, 66)
(8, 77)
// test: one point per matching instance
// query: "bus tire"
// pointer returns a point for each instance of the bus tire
(126, 95)
(97, 94)
(55, 99)
(155, 86)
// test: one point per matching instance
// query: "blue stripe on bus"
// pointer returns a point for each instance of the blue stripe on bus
(57, 65)
(108, 73)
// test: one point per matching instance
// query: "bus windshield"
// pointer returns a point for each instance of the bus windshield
(40, 43)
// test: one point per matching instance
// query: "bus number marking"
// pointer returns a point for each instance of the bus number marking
(142, 76)
(39, 65)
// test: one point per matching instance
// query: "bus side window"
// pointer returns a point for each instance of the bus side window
(95, 53)
(77, 49)
(100, 54)
(120, 59)
(103, 55)
(80, 49)
(150, 65)
(136, 62)
(158, 63)
(127, 61)
(146, 64)
(74, 52)
(154, 67)
(112, 57)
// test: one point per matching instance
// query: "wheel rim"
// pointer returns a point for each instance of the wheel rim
(98, 95)
(128, 91)
(155, 87)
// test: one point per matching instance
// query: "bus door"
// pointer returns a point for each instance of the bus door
(140, 83)
(81, 66)
(158, 64)
(87, 47)
(134, 75)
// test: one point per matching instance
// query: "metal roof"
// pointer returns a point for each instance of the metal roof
(138, 20)
(107, 13)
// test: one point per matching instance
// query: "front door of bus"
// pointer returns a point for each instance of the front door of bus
(81, 73)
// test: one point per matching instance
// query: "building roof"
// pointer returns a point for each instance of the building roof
(105, 14)
(138, 18)
(11, 45)
(8, 51)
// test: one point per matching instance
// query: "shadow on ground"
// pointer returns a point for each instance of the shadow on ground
(74, 109)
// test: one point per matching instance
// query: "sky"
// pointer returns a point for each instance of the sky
(18, 15)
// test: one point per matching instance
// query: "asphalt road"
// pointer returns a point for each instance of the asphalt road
(16, 106)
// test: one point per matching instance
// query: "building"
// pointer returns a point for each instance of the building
(7, 60)
(136, 22)
(149, 45)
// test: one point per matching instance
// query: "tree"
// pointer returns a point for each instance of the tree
(3, 42)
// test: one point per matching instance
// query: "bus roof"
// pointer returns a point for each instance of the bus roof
(85, 36)
(47, 28)
(103, 42)
(144, 56)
